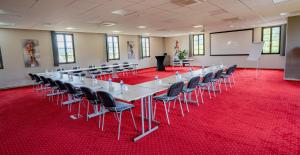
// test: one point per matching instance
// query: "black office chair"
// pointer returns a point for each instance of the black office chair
(33, 79)
(45, 85)
(226, 76)
(117, 107)
(54, 89)
(127, 67)
(105, 71)
(205, 84)
(216, 80)
(92, 99)
(75, 96)
(172, 94)
(62, 90)
(190, 88)
(38, 81)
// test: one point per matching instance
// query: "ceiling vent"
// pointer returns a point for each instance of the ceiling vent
(185, 2)
(122, 12)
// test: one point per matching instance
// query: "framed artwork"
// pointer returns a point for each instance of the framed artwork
(31, 52)
(130, 52)
(1, 61)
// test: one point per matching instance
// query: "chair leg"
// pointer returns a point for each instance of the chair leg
(219, 84)
(196, 97)
(87, 111)
(213, 88)
(166, 113)
(229, 81)
(119, 127)
(180, 106)
(201, 95)
(154, 109)
(186, 103)
(208, 89)
(102, 128)
(133, 119)
(225, 82)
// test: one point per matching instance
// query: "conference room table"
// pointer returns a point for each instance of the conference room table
(129, 94)
(143, 91)
(113, 67)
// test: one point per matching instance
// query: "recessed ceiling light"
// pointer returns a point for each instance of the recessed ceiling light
(108, 23)
(123, 12)
(283, 14)
(6, 24)
(116, 31)
(279, 1)
(71, 28)
(231, 26)
(2, 12)
(141, 27)
(197, 26)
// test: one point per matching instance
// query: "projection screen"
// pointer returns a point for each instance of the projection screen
(231, 43)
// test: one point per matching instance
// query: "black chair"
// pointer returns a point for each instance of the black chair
(60, 69)
(75, 96)
(216, 80)
(117, 107)
(190, 88)
(92, 99)
(172, 94)
(45, 85)
(33, 79)
(226, 76)
(62, 90)
(127, 66)
(54, 88)
(105, 70)
(38, 81)
(205, 84)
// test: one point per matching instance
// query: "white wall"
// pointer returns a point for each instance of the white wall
(267, 61)
(89, 49)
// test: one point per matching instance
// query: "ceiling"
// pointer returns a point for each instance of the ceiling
(161, 17)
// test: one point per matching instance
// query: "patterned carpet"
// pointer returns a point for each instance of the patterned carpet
(256, 116)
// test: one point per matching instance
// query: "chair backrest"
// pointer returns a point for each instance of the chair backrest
(76, 67)
(106, 99)
(60, 85)
(175, 89)
(230, 70)
(234, 67)
(31, 76)
(103, 67)
(51, 82)
(45, 81)
(218, 74)
(117, 65)
(89, 94)
(207, 77)
(37, 78)
(193, 83)
(125, 64)
(60, 69)
(70, 88)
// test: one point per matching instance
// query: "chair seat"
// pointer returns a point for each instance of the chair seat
(128, 68)
(107, 71)
(120, 106)
(187, 90)
(214, 80)
(79, 74)
(202, 84)
(119, 69)
(164, 97)
(224, 76)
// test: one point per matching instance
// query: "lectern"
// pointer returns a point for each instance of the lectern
(160, 63)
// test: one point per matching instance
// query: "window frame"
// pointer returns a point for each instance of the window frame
(1, 60)
(198, 45)
(65, 45)
(143, 56)
(271, 30)
(107, 48)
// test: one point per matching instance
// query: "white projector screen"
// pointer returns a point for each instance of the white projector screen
(231, 43)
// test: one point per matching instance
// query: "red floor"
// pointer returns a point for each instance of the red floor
(254, 117)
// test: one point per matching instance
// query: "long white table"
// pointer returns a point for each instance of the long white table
(142, 91)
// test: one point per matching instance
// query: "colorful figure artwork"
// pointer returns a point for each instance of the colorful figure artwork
(31, 53)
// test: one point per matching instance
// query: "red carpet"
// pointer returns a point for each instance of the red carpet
(254, 117)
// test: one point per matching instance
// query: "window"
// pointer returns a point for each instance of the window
(198, 44)
(272, 39)
(145, 47)
(65, 48)
(113, 52)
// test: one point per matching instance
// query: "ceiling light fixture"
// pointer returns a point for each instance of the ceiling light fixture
(279, 1)
(6, 24)
(141, 27)
(2, 12)
(108, 24)
(197, 26)
(122, 12)
(283, 14)
(71, 28)
(116, 31)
